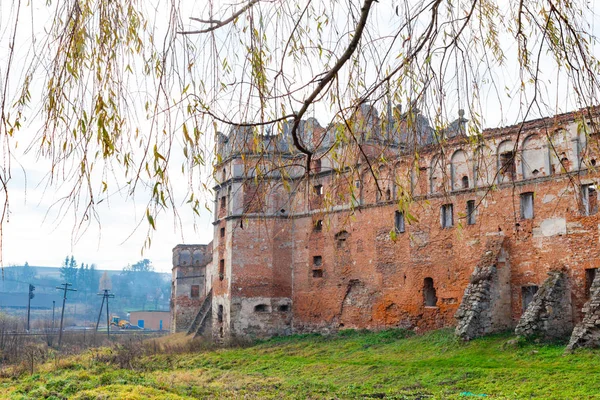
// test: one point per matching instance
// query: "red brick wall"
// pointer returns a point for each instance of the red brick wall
(374, 279)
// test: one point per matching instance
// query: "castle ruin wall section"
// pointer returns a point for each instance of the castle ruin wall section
(359, 271)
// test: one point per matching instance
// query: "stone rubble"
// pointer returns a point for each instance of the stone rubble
(549, 315)
(475, 313)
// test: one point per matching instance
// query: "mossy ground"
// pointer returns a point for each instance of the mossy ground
(389, 364)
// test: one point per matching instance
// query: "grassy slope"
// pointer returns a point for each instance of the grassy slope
(350, 365)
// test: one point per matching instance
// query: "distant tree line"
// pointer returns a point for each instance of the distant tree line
(84, 277)
(136, 287)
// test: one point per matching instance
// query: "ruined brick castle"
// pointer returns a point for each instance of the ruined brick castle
(399, 225)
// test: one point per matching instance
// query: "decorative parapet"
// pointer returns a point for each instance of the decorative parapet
(393, 128)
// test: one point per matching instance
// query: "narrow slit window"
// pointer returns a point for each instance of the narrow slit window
(590, 275)
(222, 232)
(220, 314)
(399, 222)
(527, 205)
(471, 212)
(222, 269)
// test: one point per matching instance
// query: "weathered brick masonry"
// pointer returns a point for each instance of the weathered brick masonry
(376, 245)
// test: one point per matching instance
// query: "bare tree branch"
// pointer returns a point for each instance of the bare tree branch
(216, 24)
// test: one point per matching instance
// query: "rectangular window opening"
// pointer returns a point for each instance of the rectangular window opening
(399, 222)
(318, 227)
(317, 261)
(507, 163)
(447, 216)
(527, 205)
(222, 232)
(527, 293)
(471, 212)
(195, 291)
(222, 269)
(317, 273)
(590, 275)
(589, 199)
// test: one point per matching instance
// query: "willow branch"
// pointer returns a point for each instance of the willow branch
(328, 78)
(216, 24)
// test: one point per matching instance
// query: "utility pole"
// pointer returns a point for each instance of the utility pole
(30, 296)
(53, 304)
(106, 296)
(65, 288)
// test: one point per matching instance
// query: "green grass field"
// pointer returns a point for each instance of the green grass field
(389, 364)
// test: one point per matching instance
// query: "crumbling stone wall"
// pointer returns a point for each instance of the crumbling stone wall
(487, 297)
(587, 332)
(549, 315)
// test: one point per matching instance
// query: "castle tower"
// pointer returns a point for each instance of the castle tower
(251, 268)
(189, 283)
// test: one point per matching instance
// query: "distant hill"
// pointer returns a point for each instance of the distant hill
(43, 272)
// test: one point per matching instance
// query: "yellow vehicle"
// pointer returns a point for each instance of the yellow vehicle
(119, 323)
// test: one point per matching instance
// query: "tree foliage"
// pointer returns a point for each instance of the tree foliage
(132, 96)
(142, 285)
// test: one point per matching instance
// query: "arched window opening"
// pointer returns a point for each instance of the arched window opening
(465, 182)
(429, 295)
(460, 170)
(341, 238)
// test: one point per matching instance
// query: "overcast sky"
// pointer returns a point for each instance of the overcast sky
(35, 235)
